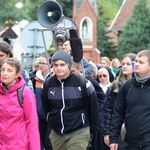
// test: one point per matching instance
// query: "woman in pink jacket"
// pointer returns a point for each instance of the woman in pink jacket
(18, 125)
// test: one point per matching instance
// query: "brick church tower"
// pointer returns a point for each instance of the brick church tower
(85, 17)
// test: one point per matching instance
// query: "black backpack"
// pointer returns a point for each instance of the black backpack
(127, 86)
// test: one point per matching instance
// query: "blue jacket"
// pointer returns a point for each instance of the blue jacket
(88, 68)
(66, 108)
(38, 84)
(25, 76)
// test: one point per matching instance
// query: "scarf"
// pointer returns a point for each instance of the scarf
(140, 80)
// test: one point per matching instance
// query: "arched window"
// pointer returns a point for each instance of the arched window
(86, 32)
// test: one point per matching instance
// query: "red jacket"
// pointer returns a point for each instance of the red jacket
(18, 126)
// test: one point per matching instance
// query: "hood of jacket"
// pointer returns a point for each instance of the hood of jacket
(20, 81)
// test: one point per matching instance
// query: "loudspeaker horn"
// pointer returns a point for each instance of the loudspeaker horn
(49, 14)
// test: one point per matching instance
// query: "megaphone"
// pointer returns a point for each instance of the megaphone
(49, 14)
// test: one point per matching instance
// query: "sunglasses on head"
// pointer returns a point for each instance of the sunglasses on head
(103, 75)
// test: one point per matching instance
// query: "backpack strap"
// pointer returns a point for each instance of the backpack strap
(47, 83)
(19, 95)
(82, 82)
(127, 86)
(25, 76)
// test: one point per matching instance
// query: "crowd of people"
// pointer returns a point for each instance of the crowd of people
(71, 105)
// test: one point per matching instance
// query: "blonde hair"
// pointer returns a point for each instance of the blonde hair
(76, 65)
(36, 63)
(94, 74)
(113, 61)
(106, 59)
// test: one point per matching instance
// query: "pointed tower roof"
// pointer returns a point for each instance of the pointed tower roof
(79, 4)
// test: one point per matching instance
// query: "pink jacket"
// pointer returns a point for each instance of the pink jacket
(18, 126)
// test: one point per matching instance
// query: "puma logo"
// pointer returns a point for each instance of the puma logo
(53, 93)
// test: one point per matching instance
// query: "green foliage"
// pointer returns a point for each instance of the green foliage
(31, 8)
(135, 36)
(104, 41)
(105, 45)
(120, 2)
(67, 6)
(7, 12)
(109, 8)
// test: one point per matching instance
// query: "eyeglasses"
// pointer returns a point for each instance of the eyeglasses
(103, 75)
(42, 63)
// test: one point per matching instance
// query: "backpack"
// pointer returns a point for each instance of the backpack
(127, 86)
(82, 81)
(19, 95)
(25, 76)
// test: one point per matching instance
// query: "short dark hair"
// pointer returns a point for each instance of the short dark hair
(14, 63)
(5, 47)
(144, 53)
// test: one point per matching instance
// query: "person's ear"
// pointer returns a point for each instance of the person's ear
(8, 55)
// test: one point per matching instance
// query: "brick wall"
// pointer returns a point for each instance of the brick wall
(90, 48)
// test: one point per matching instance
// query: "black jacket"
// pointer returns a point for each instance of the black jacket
(108, 108)
(133, 108)
(66, 108)
(101, 96)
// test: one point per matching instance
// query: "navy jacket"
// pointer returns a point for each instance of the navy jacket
(66, 107)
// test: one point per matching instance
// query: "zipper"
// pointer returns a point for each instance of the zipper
(83, 118)
(61, 112)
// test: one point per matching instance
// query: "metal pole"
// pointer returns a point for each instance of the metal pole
(83, 72)
(46, 51)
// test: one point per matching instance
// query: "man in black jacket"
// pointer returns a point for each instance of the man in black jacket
(71, 118)
(132, 106)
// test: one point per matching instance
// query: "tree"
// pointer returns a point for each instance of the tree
(67, 6)
(135, 36)
(7, 12)
(31, 8)
(104, 41)
(109, 7)
(120, 2)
